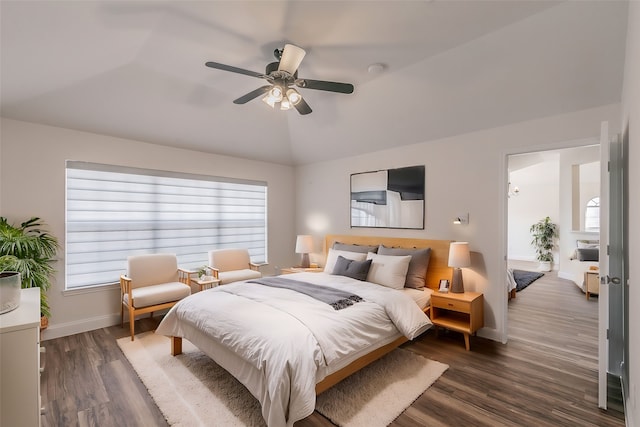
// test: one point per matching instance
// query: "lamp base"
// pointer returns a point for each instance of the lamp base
(457, 287)
(304, 261)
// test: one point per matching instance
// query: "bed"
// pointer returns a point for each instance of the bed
(585, 258)
(575, 270)
(286, 347)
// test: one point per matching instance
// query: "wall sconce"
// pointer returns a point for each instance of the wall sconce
(459, 258)
(513, 193)
(304, 246)
(461, 219)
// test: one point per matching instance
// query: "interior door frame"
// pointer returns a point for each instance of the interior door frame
(504, 211)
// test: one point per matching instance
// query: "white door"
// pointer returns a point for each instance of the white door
(603, 297)
(611, 299)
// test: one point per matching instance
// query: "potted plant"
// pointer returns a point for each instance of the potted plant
(30, 251)
(544, 233)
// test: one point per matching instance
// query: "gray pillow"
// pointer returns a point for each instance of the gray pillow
(588, 254)
(355, 269)
(417, 266)
(363, 249)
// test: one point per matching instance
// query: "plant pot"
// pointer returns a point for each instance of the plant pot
(544, 266)
(10, 282)
(44, 323)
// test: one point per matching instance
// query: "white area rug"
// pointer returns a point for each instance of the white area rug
(192, 390)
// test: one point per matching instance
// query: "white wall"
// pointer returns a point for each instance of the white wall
(631, 119)
(466, 173)
(538, 198)
(33, 184)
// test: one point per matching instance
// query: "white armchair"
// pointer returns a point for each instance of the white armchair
(153, 282)
(232, 265)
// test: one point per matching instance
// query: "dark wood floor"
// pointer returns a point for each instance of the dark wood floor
(545, 376)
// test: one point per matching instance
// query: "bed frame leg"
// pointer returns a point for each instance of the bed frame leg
(176, 346)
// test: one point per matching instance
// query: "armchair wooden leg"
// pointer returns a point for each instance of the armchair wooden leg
(132, 319)
(121, 314)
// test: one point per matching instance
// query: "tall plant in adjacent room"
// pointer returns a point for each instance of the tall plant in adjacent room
(544, 234)
(29, 250)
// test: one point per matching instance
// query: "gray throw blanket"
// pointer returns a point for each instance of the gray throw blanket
(336, 298)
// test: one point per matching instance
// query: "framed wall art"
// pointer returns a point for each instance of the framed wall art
(390, 198)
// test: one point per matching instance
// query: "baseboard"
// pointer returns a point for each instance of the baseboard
(522, 258)
(79, 326)
(564, 275)
(89, 324)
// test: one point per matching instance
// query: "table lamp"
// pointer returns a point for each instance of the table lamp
(304, 245)
(458, 258)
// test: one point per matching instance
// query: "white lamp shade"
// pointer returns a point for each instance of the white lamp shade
(304, 244)
(291, 58)
(459, 255)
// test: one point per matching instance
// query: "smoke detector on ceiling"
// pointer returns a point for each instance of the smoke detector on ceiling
(376, 68)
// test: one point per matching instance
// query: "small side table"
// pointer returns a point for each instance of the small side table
(290, 270)
(591, 282)
(458, 312)
(206, 284)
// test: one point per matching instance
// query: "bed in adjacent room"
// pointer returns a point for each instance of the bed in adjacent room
(293, 336)
(584, 260)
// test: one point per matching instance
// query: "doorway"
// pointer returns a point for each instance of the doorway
(554, 311)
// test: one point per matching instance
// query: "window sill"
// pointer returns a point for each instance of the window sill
(90, 289)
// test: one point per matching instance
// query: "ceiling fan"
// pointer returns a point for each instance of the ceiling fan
(283, 78)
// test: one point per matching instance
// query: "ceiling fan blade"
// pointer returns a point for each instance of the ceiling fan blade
(291, 58)
(251, 95)
(234, 69)
(323, 85)
(302, 107)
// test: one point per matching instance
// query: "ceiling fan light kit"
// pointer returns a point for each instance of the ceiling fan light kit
(282, 75)
(291, 58)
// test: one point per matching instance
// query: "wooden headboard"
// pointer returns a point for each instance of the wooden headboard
(438, 268)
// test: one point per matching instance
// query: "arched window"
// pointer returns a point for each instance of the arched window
(592, 215)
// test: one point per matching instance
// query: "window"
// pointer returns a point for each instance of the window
(113, 212)
(592, 215)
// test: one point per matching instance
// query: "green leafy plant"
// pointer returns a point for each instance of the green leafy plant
(30, 251)
(544, 233)
(202, 271)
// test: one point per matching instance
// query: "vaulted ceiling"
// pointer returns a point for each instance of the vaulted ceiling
(135, 69)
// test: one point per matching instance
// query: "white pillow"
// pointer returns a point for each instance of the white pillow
(332, 257)
(388, 270)
(588, 244)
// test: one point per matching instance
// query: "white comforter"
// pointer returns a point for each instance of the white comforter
(293, 340)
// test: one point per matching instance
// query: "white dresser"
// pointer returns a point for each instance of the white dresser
(20, 362)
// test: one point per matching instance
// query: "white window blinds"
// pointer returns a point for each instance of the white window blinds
(113, 212)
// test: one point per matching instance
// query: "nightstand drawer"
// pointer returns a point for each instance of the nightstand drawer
(450, 304)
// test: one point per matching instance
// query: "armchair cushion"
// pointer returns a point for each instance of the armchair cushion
(238, 275)
(229, 259)
(158, 294)
(146, 270)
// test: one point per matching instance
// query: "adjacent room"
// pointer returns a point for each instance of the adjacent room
(282, 212)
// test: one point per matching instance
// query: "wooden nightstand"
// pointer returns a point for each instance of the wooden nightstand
(290, 270)
(458, 312)
(591, 283)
